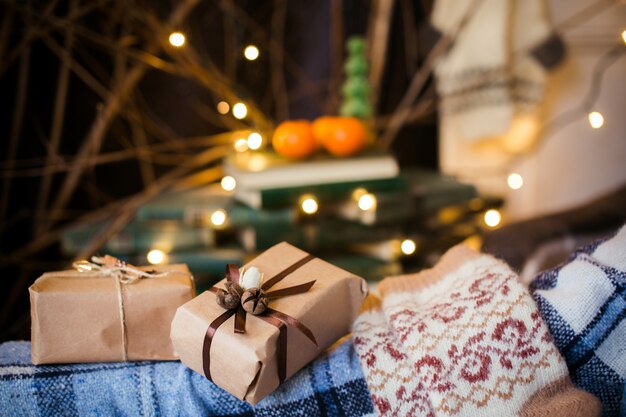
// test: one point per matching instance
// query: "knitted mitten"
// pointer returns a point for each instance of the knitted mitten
(473, 342)
(392, 381)
(491, 82)
(584, 304)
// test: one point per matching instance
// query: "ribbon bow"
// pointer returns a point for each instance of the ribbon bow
(271, 316)
(122, 273)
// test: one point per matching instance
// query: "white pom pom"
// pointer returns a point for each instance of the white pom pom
(251, 278)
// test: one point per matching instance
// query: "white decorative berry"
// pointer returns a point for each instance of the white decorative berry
(251, 278)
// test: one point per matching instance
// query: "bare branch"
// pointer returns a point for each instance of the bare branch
(111, 157)
(5, 31)
(419, 79)
(377, 40)
(35, 31)
(127, 211)
(115, 209)
(410, 35)
(259, 32)
(336, 52)
(230, 46)
(57, 121)
(112, 106)
(16, 126)
(279, 87)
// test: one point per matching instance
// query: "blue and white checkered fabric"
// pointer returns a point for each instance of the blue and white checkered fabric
(584, 304)
(333, 385)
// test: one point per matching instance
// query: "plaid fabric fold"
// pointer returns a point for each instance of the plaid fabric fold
(584, 304)
(333, 385)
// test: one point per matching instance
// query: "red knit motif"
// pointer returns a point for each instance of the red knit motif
(475, 342)
(395, 388)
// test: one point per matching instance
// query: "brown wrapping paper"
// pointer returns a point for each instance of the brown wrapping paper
(245, 364)
(76, 316)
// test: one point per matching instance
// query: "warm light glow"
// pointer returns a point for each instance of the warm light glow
(177, 39)
(367, 202)
(521, 135)
(492, 218)
(596, 120)
(251, 52)
(476, 204)
(257, 163)
(474, 242)
(218, 218)
(624, 36)
(408, 247)
(240, 110)
(515, 181)
(358, 193)
(255, 141)
(450, 215)
(156, 257)
(309, 205)
(223, 107)
(241, 145)
(228, 183)
(83, 265)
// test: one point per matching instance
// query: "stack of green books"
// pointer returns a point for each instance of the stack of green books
(174, 227)
(138, 237)
(190, 206)
(368, 216)
(266, 181)
(271, 187)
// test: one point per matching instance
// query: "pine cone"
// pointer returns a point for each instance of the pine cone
(231, 297)
(254, 301)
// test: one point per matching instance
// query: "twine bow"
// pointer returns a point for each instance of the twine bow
(122, 273)
(271, 316)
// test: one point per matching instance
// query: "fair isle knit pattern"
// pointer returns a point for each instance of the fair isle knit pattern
(584, 304)
(463, 339)
(393, 383)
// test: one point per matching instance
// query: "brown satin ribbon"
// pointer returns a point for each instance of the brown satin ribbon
(271, 316)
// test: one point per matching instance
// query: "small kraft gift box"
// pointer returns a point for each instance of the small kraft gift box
(267, 320)
(106, 311)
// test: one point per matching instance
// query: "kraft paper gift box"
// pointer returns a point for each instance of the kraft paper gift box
(248, 365)
(93, 316)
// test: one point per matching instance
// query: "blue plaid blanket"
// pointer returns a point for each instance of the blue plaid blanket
(584, 305)
(333, 385)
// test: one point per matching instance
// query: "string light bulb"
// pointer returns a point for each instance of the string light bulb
(624, 36)
(596, 120)
(358, 193)
(255, 141)
(515, 181)
(228, 183)
(177, 39)
(223, 107)
(408, 247)
(367, 202)
(309, 204)
(241, 145)
(218, 218)
(251, 52)
(492, 218)
(84, 265)
(240, 111)
(156, 257)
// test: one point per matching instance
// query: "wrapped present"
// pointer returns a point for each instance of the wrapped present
(107, 311)
(261, 324)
